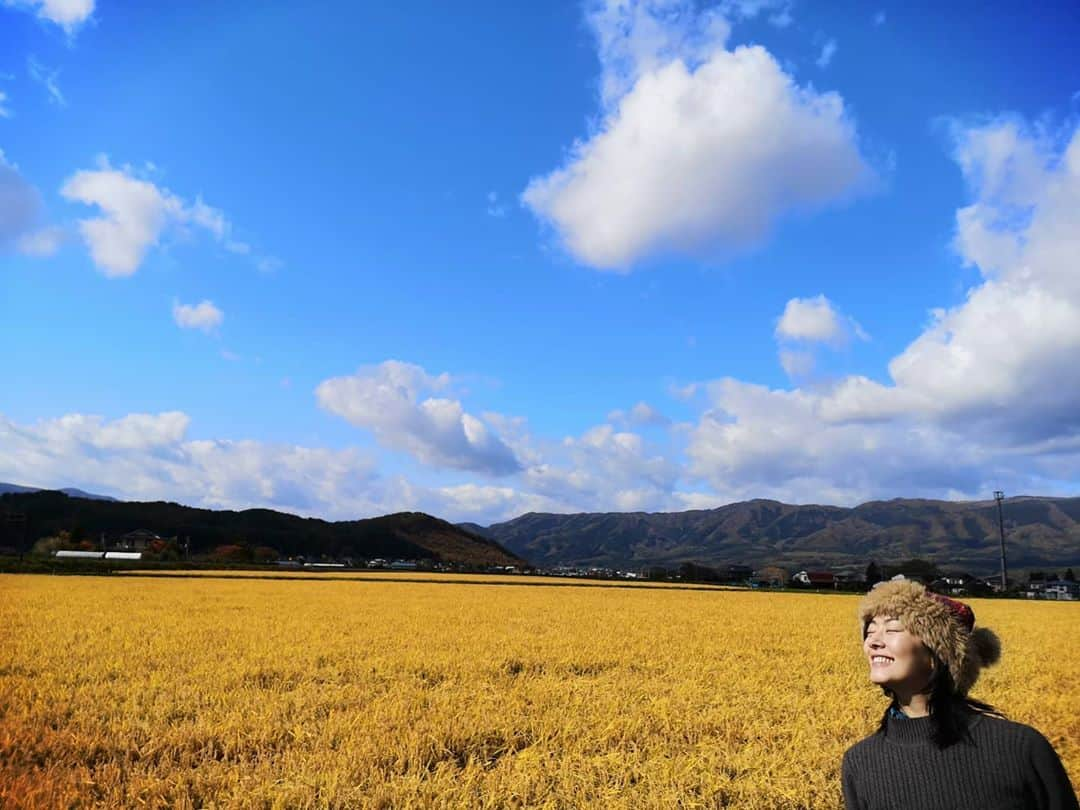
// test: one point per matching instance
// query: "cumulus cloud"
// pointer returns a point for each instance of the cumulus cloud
(816, 320)
(204, 316)
(796, 362)
(988, 393)
(809, 319)
(485, 504)
(149, 457)
(138, 431)
(760, 442)
(641, 414)
(1006, 353)
(389, 400)
(68, 14)
(700, 149)
(807, 324)
(603, 469)
(134, 214)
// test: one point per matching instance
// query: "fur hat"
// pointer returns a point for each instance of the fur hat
(944, 625)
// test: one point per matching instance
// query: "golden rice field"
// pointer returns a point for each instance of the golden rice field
(413, 691)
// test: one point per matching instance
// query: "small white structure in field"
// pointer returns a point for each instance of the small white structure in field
(82, 555)
(123, 555)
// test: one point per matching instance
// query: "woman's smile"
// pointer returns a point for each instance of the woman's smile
(897, 658)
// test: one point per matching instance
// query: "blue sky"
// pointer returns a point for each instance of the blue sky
(484, 259)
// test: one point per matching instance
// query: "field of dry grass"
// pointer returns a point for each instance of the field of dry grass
(377, 692)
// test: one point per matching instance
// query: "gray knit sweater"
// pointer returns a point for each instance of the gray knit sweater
(1004, 766)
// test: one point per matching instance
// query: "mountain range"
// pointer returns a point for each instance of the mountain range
(1040, 532)
(405, 535)
(965, 535)
(74, 493)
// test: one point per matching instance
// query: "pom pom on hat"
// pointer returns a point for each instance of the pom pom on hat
(987, 646)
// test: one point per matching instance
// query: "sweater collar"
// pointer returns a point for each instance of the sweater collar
(909, 730)
(915, 730)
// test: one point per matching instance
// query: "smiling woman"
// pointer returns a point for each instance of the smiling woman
(936, 747)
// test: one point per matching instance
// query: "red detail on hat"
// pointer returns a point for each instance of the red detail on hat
(961, 612)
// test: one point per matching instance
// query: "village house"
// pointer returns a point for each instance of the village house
(1061, 589)
(816, 579)
(138, 540)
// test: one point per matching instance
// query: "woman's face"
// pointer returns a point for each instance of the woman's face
(897, 658)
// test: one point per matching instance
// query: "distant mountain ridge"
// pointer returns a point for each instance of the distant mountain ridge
(406, 535)
(72, 491)
(1041, 532)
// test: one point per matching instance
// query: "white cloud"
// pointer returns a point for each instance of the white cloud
(684, 392)
(149, 457)
(604, 469)
(797, 363)
(1006, 354)
(987, 396)
(388, 399)
(641, 414)
(828, 51)
(700, 149)
(49, 79)
(809, 319)
(42, 242)
(816, 320)
(485, 504)
(213, 220)
(758, 442)
(135, 213)
(68, 14)
(5, 112)
(139, 431)
(204, 316)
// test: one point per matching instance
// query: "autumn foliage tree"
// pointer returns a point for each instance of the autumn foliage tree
(231, 552)
(265, 554)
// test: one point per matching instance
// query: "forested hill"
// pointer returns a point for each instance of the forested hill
(1040, 531)
(406, 535)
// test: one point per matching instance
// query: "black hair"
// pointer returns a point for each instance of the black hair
(950, 712)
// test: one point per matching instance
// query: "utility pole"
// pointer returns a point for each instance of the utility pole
(999, 496)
